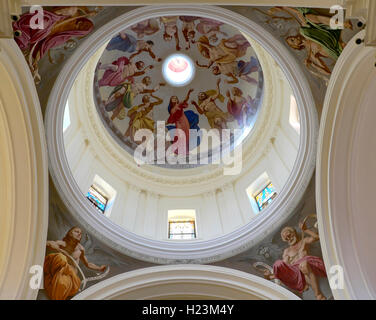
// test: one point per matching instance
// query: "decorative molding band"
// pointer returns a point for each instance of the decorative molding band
(364, 10)
(194, 281)
(292, 3)
(165, 252)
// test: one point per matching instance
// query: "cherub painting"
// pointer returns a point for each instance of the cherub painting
(171, 30)
(188, 29)
(127, 43)
(121, 70)
(61, 278)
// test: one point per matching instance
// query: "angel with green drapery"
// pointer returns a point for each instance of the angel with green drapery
(316, 36)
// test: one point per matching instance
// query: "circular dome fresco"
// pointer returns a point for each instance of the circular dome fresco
(189, 75)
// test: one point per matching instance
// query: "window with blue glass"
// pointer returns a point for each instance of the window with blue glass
(97, 199)
(265, 196)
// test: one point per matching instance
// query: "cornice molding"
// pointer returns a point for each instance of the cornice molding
(364, 10)
(293, 3)
(163, 282)
(7, 9)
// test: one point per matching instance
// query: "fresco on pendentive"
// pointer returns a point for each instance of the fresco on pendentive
(309, 30)
(37, 33)
(63, 276)
(291, 255)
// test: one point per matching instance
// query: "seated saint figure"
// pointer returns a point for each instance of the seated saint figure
(298, 270)
(61, 280)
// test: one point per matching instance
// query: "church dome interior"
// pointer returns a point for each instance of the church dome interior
(195, 190)
(187, 152)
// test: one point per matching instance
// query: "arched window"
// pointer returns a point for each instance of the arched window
(101, 195)
(261, 192)
(265, 196)
(182, 224)
(97, 198)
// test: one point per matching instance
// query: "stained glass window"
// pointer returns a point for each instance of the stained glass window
(266, 196)
(97, 199)
(181, 229)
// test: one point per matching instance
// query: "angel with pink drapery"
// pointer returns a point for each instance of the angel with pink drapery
(60, 24)
(121, 70)
(297, 269)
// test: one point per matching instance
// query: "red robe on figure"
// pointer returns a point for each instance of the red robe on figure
(292, 277)
(181, 122)
(115, 78)
(49, 37)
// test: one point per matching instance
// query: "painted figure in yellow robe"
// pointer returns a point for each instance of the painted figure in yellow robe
(206, 105)
(139, 116)
(61, 280)
(227, 51)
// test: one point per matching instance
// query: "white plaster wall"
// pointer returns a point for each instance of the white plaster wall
(24, 176)
(346, 172)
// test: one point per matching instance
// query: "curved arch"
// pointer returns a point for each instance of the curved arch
(24, 176)
(204, 251)
(186, 282)
(346, 172)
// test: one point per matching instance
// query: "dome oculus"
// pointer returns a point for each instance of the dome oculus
(178, 70)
